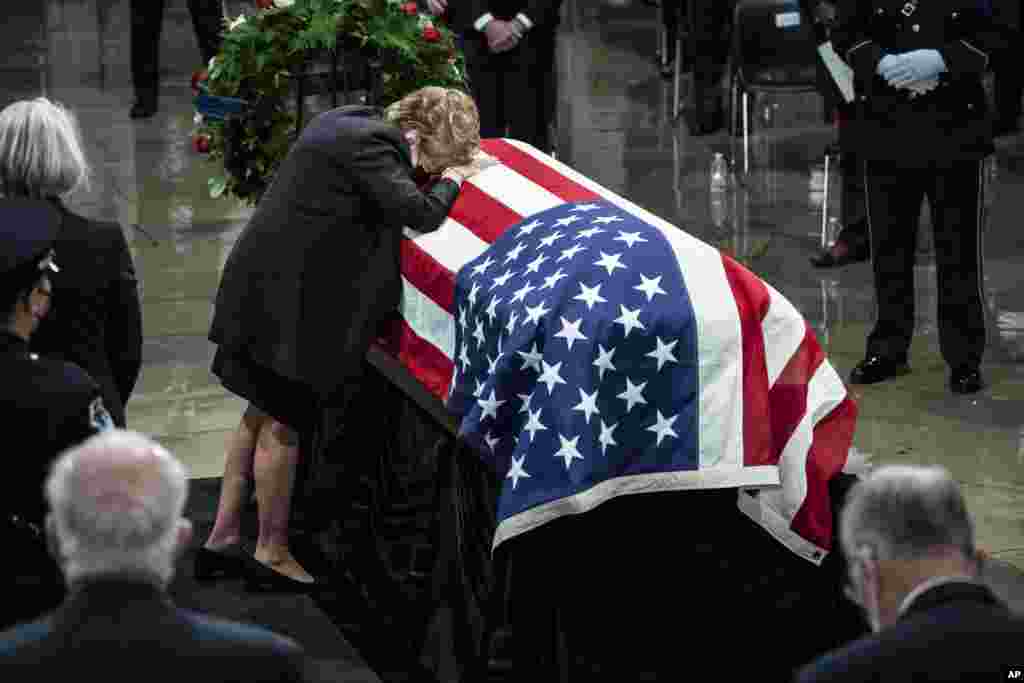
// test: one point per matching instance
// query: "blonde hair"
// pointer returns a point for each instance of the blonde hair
(41, 151)
(447, 121)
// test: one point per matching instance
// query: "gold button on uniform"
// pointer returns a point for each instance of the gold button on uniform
(916, 27)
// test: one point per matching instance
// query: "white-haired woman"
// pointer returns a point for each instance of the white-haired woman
(308, 281)
(96, 318)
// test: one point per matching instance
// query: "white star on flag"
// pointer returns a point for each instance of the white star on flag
(525, 398)
(590, 295)
(517, 471)
(604, 361)
(492, 308)
(568, 220)
(464, 358)
(650, 287)
(533, 424)
(585, 207)
(462, 319)
(605, 220)
(663, 427)
(551, 280)
(511, 326)
(570, 252)
(587, 405)
(588, 233)
(490, 406)
(478, 333)
(472, 294)
(479, 391)
(633, 394)
(535, 313)
(513, 254)
(630, 320)
(606, 439)
(500, 281)
(520, 294)
(568, 450)
(479, 269)
(492, 364)
(551, 376)
(663, 352)
(534, 265)
(491, 441)
(630, 238)
(550, 239)
(529, 228)
(571, 332)
(610, 261)
(531, 359)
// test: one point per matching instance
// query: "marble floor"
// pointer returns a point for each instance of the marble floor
(615, 125)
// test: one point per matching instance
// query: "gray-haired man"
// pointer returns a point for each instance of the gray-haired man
(909, 543)
(116, 527)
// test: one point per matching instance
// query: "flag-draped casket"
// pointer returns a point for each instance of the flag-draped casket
(590, 349)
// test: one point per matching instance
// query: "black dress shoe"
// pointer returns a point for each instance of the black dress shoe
(143, 109)
(878, 369)
(966, 381)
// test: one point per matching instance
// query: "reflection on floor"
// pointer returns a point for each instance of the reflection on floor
(615, 125)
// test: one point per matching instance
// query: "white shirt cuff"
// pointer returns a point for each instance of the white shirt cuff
(452, 176)
(526, 20)
(482, 22)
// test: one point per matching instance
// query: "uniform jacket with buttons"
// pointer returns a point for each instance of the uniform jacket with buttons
(948, 123)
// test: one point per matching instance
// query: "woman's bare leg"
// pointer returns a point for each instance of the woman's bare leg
(277, 458)
(234, 488)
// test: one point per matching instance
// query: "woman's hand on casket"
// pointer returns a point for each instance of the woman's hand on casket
(479, 163)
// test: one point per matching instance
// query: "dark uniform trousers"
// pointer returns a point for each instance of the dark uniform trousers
(955, 193)
(147, 23)
(514, 90)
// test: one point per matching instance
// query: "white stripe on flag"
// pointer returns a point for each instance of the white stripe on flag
(451, 245)
(783, 329)
(517, 192)
(718, 326)
(428, 320)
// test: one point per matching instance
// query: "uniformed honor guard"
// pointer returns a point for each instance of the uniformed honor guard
(47, 406)
(923, 128)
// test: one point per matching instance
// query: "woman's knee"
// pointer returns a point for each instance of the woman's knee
(281, 434)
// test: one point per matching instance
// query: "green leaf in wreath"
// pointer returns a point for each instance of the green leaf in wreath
(217, 185)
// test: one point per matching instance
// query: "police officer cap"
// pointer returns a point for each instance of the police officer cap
(28, 230)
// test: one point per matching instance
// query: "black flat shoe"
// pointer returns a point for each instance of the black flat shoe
(259, 578)
(143, 109)
(218, 564)
(837, 256)
(966, 381)
(875, 369)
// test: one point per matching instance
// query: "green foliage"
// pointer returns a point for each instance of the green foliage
(260, 55)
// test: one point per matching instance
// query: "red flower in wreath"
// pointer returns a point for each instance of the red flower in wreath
(199, 77)
(431, 34)
(264, 4)
(409, 8)
(201, 144)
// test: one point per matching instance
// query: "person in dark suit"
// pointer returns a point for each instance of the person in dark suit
(147, 23)
(304, 289)
(923, 128)
(116, 527)
(909, 543)
(509, 47)
(47, 405)
(95, 319)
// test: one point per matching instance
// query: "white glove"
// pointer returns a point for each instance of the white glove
(916, 65)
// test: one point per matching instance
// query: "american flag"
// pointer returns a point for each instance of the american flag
(592, 350)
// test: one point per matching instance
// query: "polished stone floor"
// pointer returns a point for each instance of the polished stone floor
(615, 125)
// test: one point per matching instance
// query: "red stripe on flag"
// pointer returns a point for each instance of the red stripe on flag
(424, 360)
(538, 172)
(752, 301)
(830, 444)
(788, 396)
(427, 275)
(482, 214)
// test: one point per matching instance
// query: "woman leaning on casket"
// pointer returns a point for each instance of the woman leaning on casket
(310, 278)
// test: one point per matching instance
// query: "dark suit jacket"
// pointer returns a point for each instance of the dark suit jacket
(951, 632)
(96, 318)
(122, 630)
(317, 267)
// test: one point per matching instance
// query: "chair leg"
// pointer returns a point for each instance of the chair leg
(678, 76)
(746, 133)
(824, 206)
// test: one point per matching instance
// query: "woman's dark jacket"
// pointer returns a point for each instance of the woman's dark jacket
(96, 318)
(317, 267)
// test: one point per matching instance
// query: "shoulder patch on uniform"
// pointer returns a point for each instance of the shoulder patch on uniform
(99, 418)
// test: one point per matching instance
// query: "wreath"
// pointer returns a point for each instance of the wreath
(243, 119)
